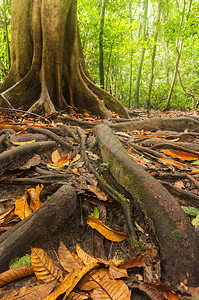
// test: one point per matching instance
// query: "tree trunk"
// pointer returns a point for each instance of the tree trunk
(148, 100)
(48, 69)
(101, 46)
(138, 78)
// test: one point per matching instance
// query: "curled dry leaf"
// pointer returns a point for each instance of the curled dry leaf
(33, 293)
(179, 154)
(23, 143)
(107, 232)
(44, 268)
(66, 259)
(155, 291)
(7, 215)
(14, 274)
(70, 281)
(95, 190)
(21, 207)
(137, 262)
(34, 194)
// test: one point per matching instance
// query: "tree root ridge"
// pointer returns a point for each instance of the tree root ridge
(49, 72)
(167, 221)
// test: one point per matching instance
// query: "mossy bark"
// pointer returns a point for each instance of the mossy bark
(178, 243)
(48, 68)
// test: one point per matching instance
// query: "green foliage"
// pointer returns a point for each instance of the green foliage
(190, 210)
(123, 39)
(95, 213)
(20, 262)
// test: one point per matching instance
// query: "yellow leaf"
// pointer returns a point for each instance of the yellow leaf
(23, 143)
(67, 260)
(14, 274)
(86, 258)
(137, 261)
(179, 154)
(75, 171)
(63, 160)
(7, 215)
(77, 157)
(35, 202)
(107, 232)
(21, 207)
(44, 268)
(171, 162)
(55, 156)
(70, 281)
(101, 286)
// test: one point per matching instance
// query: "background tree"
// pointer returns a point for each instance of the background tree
(101, 45)
(47, 61)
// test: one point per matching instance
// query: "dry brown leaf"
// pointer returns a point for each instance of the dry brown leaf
(33, 161)
(78, 295)
(63, 160)
(85, 258)
(23, 143)
(31, 293)
(75, 171)
(179, 184)
(101, 286)
(14, 274)
(7, 215)
(76, 158)
(121, 133)
(55, 156)
(14, 127)
(171, 162)
(137, 262)
(194, 172)
(67, 260)
(35, 202)
(21, 207)
(95, 190)
(44, 268)
(70, 281)
(107, 232)
(155, 291)
(179, 154)
(117, 273)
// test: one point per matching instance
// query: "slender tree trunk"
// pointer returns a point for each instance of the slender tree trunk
(144, 37)
(101, 46)
(6, 33)
(148, 100)
(179, 51)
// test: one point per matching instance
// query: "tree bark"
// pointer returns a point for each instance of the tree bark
(48, 68)
(165, 218)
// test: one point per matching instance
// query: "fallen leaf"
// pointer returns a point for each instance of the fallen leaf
(64, 161)
(137, 261)
(78, 295)
(179, 184)
(194, 172)
(21, 207)
(85, 258)
(179, 154)
(95, 190)
(44, 268)
(7, 215)
(77, 157)
(23, 143)
(70, 281)
(33, 161)
(14, 274)
(117, 273)
(67, 260)
(75, 171)
(101, 286)
(171, 162)
(121, 133)
(107, 232)
(55, 156)
(33, 293)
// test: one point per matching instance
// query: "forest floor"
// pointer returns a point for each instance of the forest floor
(70, 156)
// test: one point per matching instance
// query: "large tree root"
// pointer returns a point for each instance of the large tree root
(154, 124)
(18, 156)
(178, 243)
(49, 217)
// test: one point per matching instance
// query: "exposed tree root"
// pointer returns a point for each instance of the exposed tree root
(49, 217)
(48, 69)
(167, 221)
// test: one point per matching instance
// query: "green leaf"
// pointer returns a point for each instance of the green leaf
(66, 164)
(20, 262)
(95, 213)
(190, 210)
(195, 221)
